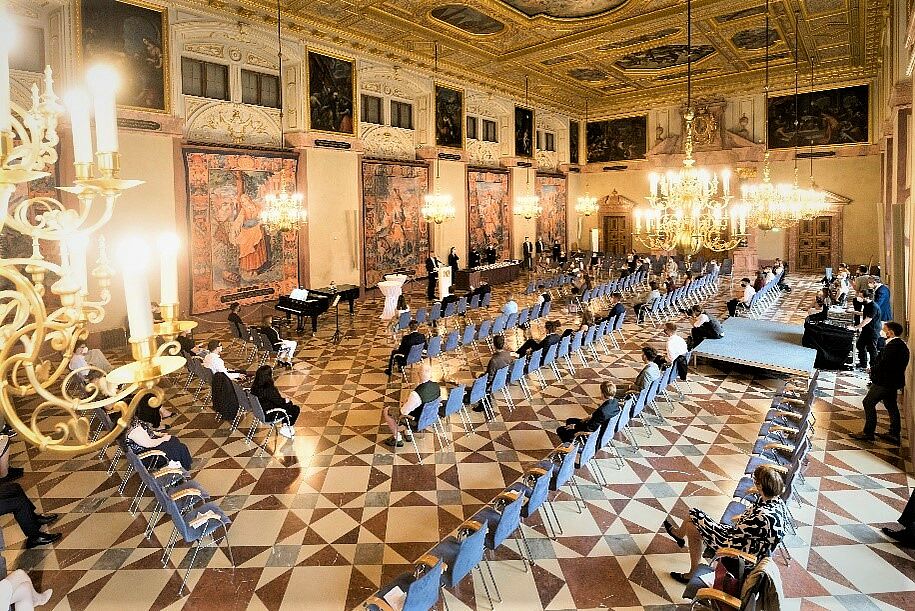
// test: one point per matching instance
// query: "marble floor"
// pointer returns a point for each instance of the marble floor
(332, 514)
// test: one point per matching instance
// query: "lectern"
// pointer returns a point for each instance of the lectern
(444, 281)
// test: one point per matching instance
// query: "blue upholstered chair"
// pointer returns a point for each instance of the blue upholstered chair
(463, 553)
(423, 587)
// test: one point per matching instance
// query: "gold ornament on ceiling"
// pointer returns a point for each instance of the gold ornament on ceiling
(705, 127)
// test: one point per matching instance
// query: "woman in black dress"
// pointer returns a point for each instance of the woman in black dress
(269, 395)
(453, 259)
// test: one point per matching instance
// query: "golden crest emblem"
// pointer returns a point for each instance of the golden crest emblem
(705, 126)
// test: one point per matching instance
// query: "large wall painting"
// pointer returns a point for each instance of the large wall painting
(488, 213)
(524, 132)
(574, 143)
(395, 234)
(835, 116)
(449, 117)
(233, 258)
(331, 93)
(551, 223)
(129, 36)
(616, 139)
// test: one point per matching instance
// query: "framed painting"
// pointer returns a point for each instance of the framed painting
(396, 236)
(133, 38)
(616, 139)
(831, 117)
(524, 132)
(574, 142)
(449, 117)
(331, 94)
(489, 211)
(233, 257)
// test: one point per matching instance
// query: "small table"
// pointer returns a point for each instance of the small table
(391, 287)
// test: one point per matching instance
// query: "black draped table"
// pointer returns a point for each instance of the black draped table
(495, 273)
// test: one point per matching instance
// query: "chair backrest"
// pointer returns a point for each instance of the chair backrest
(450, 309)
(539, 491)
(421, 315)
(589, 336)
(566, 467)
(534, 361)
(512, 320)
(577, 340)
(256, 408)
(550, 356)
(609, 429)
(428, 414)
(404, 320)
(424, 591)
(478, 390)
(545, 309)
(433, 346)
(588, 448)
(436, 311)
(416, 353)
(499, 378)
(618, 321)
(470, 332)
(486, 299)
(455, 398)
(511, 520)
(517, 370)
(535, 311)
(474, 302)
(242, 397)
(469, 555)
(564, 344)
(524, 316)
(485, 327)
(462, 305)
(499, 325)
(452, 341)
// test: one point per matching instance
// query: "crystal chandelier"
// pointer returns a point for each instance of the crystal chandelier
(437, 207)
(690, 209)
(528, 205)
(282, 210)
(45, 402)
(586, 205)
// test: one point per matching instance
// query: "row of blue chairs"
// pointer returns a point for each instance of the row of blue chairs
(452, 560)
(669, 305)
(784, 442)
(763, 298)
(435, 313)
(549, 282)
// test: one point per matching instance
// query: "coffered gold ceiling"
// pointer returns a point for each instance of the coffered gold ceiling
(619, 55)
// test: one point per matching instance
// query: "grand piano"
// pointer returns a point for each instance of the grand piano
(314, 302)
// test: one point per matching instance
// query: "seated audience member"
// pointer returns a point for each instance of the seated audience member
(511, 306)
(234, 317)
(544, 295)
(705, 326)
(757, 531)
(616, 306)
(426, 391)
(140, 437)
(671, 269)
(270, 398)
(213, 360)
(188, 346)
(285, 348)
(758, 282)
(482, 290)
(84, 358)
(647, 299)
(500, 356)
(13, 500)
(100, 381)
(448, 300)
(551, 337)
(152, 415)
(399, 354)
(887, 379)
(669, 285)
(649, 373)
(7, 473)
(588, 283)
(744, 300)
(17, 592)
(402, 305)
(768, 274)
(778, 267)
(713, 266)
(609, 407)
(687, 279)
(676, 349)
(587, 318)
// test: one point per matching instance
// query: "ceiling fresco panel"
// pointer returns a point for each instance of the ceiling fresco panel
(564, 9)
(468, 19)
(663, 57)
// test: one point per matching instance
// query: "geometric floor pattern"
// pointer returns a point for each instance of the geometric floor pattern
(332, 514)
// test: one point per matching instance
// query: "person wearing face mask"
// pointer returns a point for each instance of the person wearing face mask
(748, 293)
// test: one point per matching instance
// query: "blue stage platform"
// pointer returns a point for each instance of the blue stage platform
(774, 346)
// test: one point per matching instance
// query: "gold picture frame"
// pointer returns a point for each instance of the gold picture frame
(462, 126)
(354, 93)
(139, 55)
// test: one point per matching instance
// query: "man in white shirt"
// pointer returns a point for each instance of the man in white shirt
(511, 306)
(676, 349)
(213, 360)
(748, 292)
(769, 275)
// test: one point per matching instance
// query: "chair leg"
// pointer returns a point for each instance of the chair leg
(549, 504)
(485, 587)
(170, 545)
(190, 565)
(492, 578)
(415, 445)
(526, 558)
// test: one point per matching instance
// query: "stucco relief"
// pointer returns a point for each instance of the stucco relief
(230, 123)
(483, 153)
(387, 142)
(209, 49)
(547, 160)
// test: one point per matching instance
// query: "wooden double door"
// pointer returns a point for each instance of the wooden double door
(616, 234)
(814, 244)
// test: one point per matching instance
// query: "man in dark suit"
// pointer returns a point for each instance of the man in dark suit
(616, 306)
(399, 354)
(887, 378)
(527, 250)
(552, 337)
(482, 290)
(557, 251)
(432, 264)
(473, 258)
(490, 254)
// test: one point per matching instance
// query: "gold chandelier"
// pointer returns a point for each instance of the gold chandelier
(45, 402)
(690, 209)
(586, 205)
(528, 206)
(282, 210)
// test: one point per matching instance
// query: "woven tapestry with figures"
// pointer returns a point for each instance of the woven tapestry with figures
(233, 257)
(551, 224)
(489, 217)
(395, 234)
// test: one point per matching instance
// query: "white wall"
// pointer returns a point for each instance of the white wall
(453, 181)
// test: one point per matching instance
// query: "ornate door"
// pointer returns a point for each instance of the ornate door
(814, 244)
(617, 235)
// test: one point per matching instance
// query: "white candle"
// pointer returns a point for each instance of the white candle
(77, 246)
(103, 82)
(726, 178)
(133, 257)
(77, 102)
(638, 220)
(168, 266)
(6, 42)
(653, 181)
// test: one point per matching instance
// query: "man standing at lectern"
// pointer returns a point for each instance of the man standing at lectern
(527, 249)
(432, 265)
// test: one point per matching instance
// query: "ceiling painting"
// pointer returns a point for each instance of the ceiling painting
(663, 57)
(564, 9)
(468, 19)
(754, 39)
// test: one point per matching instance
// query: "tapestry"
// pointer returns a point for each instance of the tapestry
(233, 258)
(551, 223)
(133, 38)
(395, 234)
(488, 213)
(835, 116)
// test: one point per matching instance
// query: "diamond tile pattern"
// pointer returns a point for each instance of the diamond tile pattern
(332, 514)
